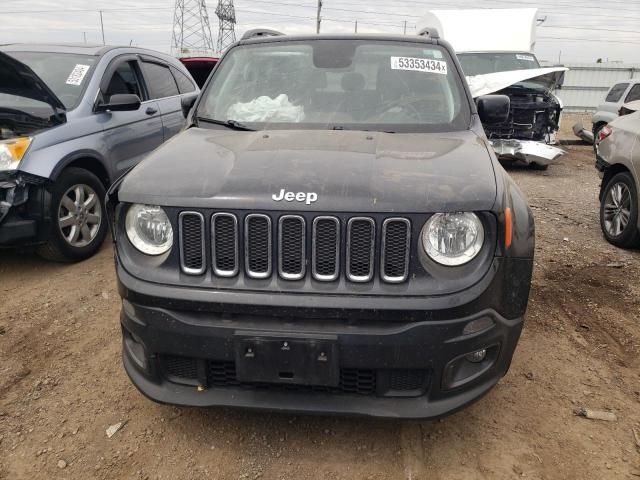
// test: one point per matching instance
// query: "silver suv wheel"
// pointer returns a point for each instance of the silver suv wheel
(617, 209)
(79, 215)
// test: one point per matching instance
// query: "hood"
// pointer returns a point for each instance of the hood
(18, 79)
(348, 171)
(546, 78)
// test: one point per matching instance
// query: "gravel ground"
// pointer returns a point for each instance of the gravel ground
(62, 383)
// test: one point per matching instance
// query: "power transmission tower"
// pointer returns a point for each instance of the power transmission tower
(226, 14)
(191, 29)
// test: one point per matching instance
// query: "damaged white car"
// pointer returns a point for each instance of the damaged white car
(495, 48)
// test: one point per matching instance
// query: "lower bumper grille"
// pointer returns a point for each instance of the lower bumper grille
(353, 381)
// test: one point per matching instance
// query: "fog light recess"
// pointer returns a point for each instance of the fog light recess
(468, 367)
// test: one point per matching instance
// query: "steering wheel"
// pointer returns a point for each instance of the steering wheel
(408, 105)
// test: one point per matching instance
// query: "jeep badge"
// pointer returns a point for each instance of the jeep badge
(307, 198)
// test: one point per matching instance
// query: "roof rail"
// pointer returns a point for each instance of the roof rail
(261, 32)
(429, 32)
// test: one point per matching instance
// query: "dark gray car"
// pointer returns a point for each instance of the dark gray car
(72, 120)
(338, 236)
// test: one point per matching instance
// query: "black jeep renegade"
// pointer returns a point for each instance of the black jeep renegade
(330, 233)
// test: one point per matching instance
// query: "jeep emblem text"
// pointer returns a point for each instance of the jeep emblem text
(307, 198)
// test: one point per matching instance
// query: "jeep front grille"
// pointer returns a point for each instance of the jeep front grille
(294, 246)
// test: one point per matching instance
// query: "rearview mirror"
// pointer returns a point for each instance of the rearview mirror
(120, 102)
(493, 108)
(187, 103)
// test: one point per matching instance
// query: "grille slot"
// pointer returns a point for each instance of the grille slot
(257, 249)
(407, 380)
(360, 249)
(292, 247)
(224, 244)
(396, 242)
(192, 253)
(180, 367)
(326, 248)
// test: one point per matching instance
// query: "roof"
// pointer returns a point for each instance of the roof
(77, 48)
(338, 36)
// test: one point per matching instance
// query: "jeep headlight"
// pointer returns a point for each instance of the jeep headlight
(12, 151)
(453, 239)
(149, 229)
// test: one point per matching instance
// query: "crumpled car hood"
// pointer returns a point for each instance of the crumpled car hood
(348, 171)
(546, 78)
(18, 79)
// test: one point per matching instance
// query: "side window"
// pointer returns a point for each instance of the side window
(159, 80)
(634, 93)
(184, 84)
(124, 80)
(616, 92)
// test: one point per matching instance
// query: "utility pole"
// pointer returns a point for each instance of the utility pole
(405, 27)
(84, 35)
(356, 26)
(319, 18)
(102, 28)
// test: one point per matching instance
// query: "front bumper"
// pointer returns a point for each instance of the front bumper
(22, 208)
(526, 152)
(396, 368)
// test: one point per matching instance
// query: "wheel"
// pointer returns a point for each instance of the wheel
(538, 166)
(619, 211)
(596, 132)
(79, 224)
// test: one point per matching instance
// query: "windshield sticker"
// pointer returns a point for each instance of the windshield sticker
(528, 58)
(77, 74)
(419, 65)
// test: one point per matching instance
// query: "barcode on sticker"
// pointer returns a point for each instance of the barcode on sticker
(77, 74)
(528, 58)
(419, 65)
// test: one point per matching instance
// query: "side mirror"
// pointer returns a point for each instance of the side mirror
(120, 102)
(187, 103)
(493, 108)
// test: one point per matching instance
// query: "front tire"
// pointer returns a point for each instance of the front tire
(79, 223)
(619, 211)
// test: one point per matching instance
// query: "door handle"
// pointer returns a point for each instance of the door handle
(151, 111)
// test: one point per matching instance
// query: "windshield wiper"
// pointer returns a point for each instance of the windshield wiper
(233, 124)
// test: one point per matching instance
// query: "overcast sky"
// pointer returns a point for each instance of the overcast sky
(573, 31)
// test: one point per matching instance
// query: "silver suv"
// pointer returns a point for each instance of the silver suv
(72, 120)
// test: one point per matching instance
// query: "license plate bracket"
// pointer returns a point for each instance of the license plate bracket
(287, 359)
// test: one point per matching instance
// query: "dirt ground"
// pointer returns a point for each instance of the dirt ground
(62, 383)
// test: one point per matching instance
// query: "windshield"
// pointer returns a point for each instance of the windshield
(483, 63)
(64, 73)
(338, 84)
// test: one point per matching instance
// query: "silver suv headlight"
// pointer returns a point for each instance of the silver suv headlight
(149, 229)
(12, 151)
(453, 239)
